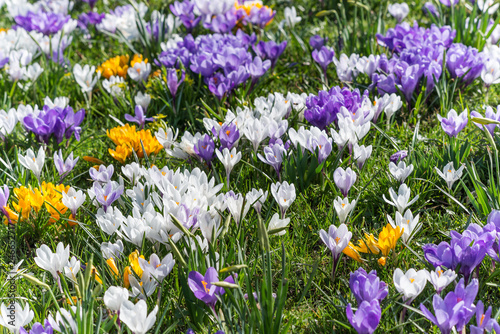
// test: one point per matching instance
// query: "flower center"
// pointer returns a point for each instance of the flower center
(412, 280)
(205, 286)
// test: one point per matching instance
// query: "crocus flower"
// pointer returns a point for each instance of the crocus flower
(205, 149)
(52, 262)
(64, 167)
(114, 297)
(343, 208)
(4, 198)
(173, 81)
(464, 62)
(284, 194)
(156, 268)
(401, 200)
(229, 159)
(140, 71)
(440, 279)
(257, 68)
(344, 179)
(449, 174)
(367, 317)
(399, 11)
(489, 114)
(47, 23)
(73, 199)
(270, 50)
(273, 155)
(483, 320)
(411, 283)
(15, 316)
(399, 155)
(408, 224)
(361, 154)
(276, 224)
(136, 316)
(229, 135)
(202, 286)
(430, 8)
(107, 195)
(84, 77)
(367, 286)
(32, 162)
(400, 171)
(324, 56)
(291, 17)
(139, 118)
(336, 240)
(257, 198)
(454, 123)
(316, 42)
(103, 174)
(38, 328)
(448, 312)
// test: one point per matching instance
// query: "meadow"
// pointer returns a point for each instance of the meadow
(249, 166)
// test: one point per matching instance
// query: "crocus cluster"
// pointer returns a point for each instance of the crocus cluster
(223, 61)
(369, 291)
(45, 23)
(56, 122)
(465, 251)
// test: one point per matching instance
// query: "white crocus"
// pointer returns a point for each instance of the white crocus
(361, 154)
(491, 72)
(13, 316)
(278, 225)
(32, 72)
(411, 283)
(32, 162)
(449, 174)
(52, 262)
(72, 269)
(284, 194)
(238, 207)
(143, 100)
(229, 159)
(115, 85)
(136, 316)
(257, 198)
(114, 297)
(156, 268)
(488, 5)
(400, 171)
(393, 105)
(399, 10)
(8, 121)
(407, 223)
(401, 199)
(140, 71)
(336, 239)
(73, 199)
(346, 67)
(64, 321)
(291, 18)
(343, 208)
(440, 279)
(86, 77)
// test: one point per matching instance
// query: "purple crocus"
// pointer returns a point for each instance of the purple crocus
(139, 118)
(47, 23)
(173, 81)
(64, 167)
(484, 321)
(490, 114)
(273, 155)
(202, 286)
(449, 311)
(103, 174)
(398, 156)
(367, 286)
(184, 11)
(38, 328)
(91, 18)
(257, 68)
(454, 123)
(429, 8)
(270, 50)
(107, 195)
(205, 149)
(4, 198)
(316, 42)
(467, 294)
(228, 135)
(324, 56)
(344, 179)
(464, 62)
(91, 3)
(367, 317)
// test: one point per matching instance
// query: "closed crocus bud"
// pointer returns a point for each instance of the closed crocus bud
(324, 56)
(366, 318)
(401, 199)
(136, 316)
(344, 179)
(316, 42)
(86, 77)
(143, 100)
(257, 198)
